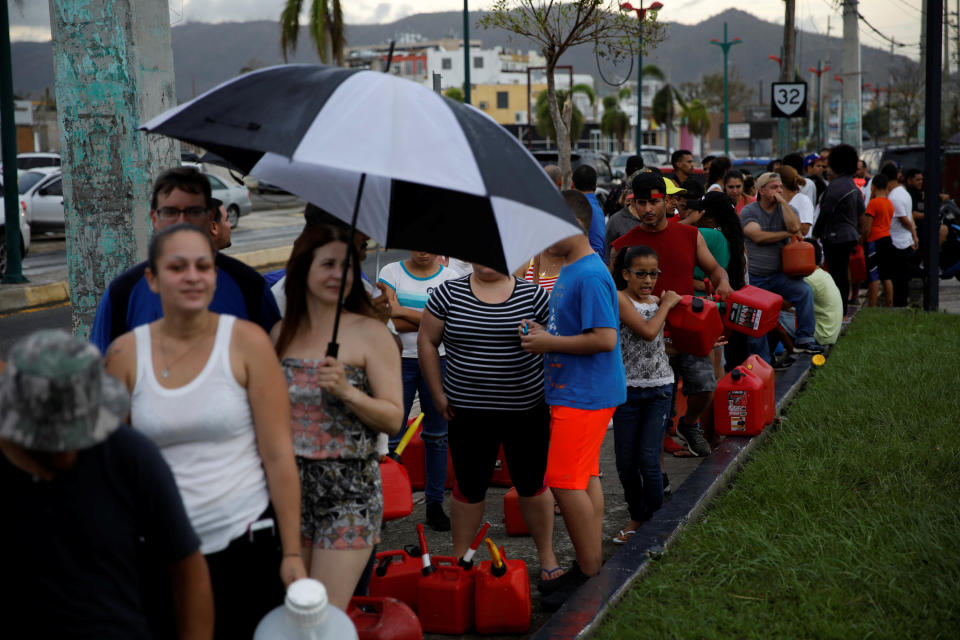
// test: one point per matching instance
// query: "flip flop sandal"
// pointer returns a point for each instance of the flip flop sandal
(546, 575)
(623, 536)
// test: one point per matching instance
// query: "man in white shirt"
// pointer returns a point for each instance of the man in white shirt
(903, 232)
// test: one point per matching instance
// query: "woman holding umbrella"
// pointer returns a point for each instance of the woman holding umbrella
(338, 406)
(208, 390)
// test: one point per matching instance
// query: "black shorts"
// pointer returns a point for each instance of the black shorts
(475, 436)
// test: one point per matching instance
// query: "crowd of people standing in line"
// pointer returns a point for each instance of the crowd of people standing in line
(252, 457)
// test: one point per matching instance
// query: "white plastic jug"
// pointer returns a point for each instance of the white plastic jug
(306, 615)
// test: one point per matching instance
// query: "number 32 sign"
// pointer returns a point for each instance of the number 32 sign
(788, 100)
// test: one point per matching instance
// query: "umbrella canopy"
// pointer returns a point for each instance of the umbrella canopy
(442, 177)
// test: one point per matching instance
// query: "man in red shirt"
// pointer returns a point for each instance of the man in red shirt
(681, 248)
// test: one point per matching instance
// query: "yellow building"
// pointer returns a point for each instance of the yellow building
(506, 103)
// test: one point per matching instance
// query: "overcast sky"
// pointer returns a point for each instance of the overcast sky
(899, 19)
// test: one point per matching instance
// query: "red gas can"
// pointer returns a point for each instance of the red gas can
(384, 619)
(445, 598)
(397, 494)
(512, 517)
(501, 475)
(738, 404)
(413, 458)
(694, 325)
(752, 310)
(858, 265)
(503, 596)
(798, 258)
(396, 574)
(762, 369)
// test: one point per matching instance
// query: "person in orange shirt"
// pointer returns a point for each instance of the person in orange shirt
(877, 243)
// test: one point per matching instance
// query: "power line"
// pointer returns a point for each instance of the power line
(884, 36)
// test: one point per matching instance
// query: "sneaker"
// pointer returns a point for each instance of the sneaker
(784, 363)
(667, 489)
(809, 347)
(555, 599)
(436, 518)
(694, 437)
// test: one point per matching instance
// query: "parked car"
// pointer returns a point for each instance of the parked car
(605, 178)
(41, 199)
(24, 233)
(235, 198)
(914, 157)
(33, 160)
(753, 166)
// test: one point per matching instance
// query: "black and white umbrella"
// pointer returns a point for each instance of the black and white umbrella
(431, 174)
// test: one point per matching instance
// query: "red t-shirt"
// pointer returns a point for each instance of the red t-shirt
(676, 247)
(881, 210)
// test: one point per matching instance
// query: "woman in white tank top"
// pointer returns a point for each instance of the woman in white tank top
(208, 389)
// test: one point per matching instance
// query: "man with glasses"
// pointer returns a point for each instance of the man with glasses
(681, 248)
(182, 195)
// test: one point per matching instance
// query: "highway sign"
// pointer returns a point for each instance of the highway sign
(788, 99)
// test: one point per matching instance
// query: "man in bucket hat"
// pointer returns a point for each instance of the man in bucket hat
(84, 500)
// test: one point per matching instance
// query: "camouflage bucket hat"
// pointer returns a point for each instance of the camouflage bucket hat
(55, 395)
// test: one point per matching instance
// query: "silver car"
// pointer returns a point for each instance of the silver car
(235, 198)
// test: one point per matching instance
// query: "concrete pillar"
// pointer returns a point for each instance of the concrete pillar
(113, 65)
(851, 130)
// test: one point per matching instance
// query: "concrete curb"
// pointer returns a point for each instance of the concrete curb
(581, 615)
(15, 298)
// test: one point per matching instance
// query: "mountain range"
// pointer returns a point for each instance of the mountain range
(207, 54)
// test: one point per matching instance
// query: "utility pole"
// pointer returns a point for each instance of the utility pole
(786, 68)
(8, 129)
(114, 70)
(850, 132)
(725, 46)
(819, 71)
(466, 53)
(931, 174)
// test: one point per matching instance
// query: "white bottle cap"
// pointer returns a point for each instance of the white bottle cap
(306, 602)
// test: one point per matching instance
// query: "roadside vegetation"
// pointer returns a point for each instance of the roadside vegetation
(846, 523)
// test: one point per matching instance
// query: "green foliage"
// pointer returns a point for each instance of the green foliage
(876, 122)
(610, 102)
(454, 93)
(709, 90)
(844, 523)
(695, 117)
(544, 122)
(326, 28)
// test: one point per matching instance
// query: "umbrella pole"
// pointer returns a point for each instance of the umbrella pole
(333, 349)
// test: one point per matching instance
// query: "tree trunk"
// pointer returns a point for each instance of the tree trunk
(113, 66)
(560, 124)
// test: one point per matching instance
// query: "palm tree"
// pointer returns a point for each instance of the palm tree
(544, 122)
(663, 100)
(614, 123)
(695, 117)
(325, 25)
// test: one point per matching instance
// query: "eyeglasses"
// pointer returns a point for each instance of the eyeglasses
(645, 274)
(193, 213)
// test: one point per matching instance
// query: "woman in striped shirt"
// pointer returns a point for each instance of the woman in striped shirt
(491, 394)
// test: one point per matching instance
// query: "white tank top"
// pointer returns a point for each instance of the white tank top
(205, 432)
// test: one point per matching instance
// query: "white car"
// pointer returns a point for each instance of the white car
(24, 233)
(235, 198)
(41, 199)
(37, 159)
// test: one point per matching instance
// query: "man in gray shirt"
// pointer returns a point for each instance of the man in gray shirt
(767, 223)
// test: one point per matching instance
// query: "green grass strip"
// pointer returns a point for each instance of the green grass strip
(846, 523)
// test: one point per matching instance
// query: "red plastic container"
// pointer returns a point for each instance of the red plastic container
(501, 475)
(397, 493)
(799, 258)
(694, 325)
(413, 458)
(384, 619)
(739, 405)
(396, 574)
(512, 517)
(858, 265)
(752, 310)
(503, 601)
(445, 598)
(762, 369)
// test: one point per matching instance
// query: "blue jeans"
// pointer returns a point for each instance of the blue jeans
(798, 293)
(639, 425)
(434, 427)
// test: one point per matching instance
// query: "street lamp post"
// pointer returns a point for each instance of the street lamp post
(725, 45)
(466, 53)
(783, 132)
(641, 14)
(819, 71)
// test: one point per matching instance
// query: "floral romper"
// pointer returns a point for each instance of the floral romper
(341, 496)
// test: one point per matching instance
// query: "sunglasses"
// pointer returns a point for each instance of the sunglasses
(645, 274)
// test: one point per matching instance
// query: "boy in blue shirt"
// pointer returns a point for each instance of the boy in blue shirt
(585, 382)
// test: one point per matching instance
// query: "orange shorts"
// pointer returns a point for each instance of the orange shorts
(575, 439)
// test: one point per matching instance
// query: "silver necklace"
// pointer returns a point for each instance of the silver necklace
(165, 372)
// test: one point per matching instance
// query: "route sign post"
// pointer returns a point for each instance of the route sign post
(788, 99)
